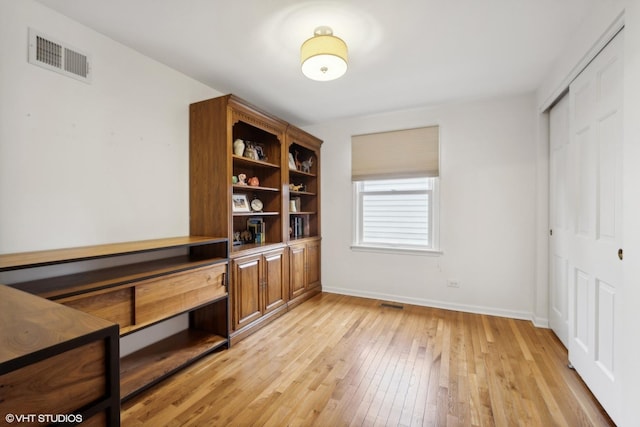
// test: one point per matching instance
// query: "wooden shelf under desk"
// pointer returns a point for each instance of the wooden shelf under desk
(151, 364)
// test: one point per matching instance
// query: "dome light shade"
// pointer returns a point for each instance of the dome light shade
(323, 56)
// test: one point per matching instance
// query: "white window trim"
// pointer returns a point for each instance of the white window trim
(392, 250)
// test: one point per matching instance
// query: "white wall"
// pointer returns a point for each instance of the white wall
(487, 210)
(592, 31)
(86, 164)
(590, 34)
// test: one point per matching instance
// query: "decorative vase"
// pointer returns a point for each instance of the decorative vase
(238, 147)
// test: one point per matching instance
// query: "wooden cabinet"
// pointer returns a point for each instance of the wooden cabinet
(184, 275)
(56, 360)
(304, 269)
(304, 215)
(239, 153)
(259, 288)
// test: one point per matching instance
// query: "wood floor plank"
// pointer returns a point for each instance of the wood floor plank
(345, 361)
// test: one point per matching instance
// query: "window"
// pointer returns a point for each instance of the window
(396, 213)
(395, 181)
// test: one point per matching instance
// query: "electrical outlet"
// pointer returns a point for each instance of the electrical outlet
(453, 283)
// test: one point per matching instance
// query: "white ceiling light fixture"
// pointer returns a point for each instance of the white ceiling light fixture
(323, 56)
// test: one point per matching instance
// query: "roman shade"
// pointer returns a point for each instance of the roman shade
(395, 154)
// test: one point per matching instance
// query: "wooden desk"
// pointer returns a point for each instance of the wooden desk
(186, 275)
(55, 360)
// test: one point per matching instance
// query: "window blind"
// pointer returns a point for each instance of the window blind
(395, 154)
(396, 212)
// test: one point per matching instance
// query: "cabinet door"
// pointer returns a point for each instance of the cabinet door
(297, 270)
(246, 290)
(313, 263)
(274, 280)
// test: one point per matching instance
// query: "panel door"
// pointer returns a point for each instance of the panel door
(560, 210)
(596, 277)
(313, 263)
(297, 270)
(246, 290)
(274, 280)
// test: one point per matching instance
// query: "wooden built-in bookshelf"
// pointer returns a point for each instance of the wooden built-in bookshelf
(261, 272)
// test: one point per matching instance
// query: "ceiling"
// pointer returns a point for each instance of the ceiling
(402, 53)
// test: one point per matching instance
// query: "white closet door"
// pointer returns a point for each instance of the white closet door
(560, 210)
(595, 275)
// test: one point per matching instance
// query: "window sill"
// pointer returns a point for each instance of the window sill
(391, 250)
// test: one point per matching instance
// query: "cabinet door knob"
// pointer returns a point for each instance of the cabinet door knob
(620, 254)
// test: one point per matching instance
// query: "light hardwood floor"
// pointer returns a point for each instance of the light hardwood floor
(337, 361)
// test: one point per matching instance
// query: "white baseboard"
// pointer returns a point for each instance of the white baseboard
(491, 311)
(540, 322)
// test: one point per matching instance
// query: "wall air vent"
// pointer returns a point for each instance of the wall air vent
(60, 57)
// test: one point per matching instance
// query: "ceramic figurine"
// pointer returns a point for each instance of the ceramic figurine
(298, 165)
(250, 151)
(238, 147)
(306, 165)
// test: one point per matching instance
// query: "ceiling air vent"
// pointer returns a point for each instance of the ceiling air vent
(60, 57)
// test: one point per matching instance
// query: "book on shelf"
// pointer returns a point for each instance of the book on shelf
(297, 226)
(295, 203)
(257, 229)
